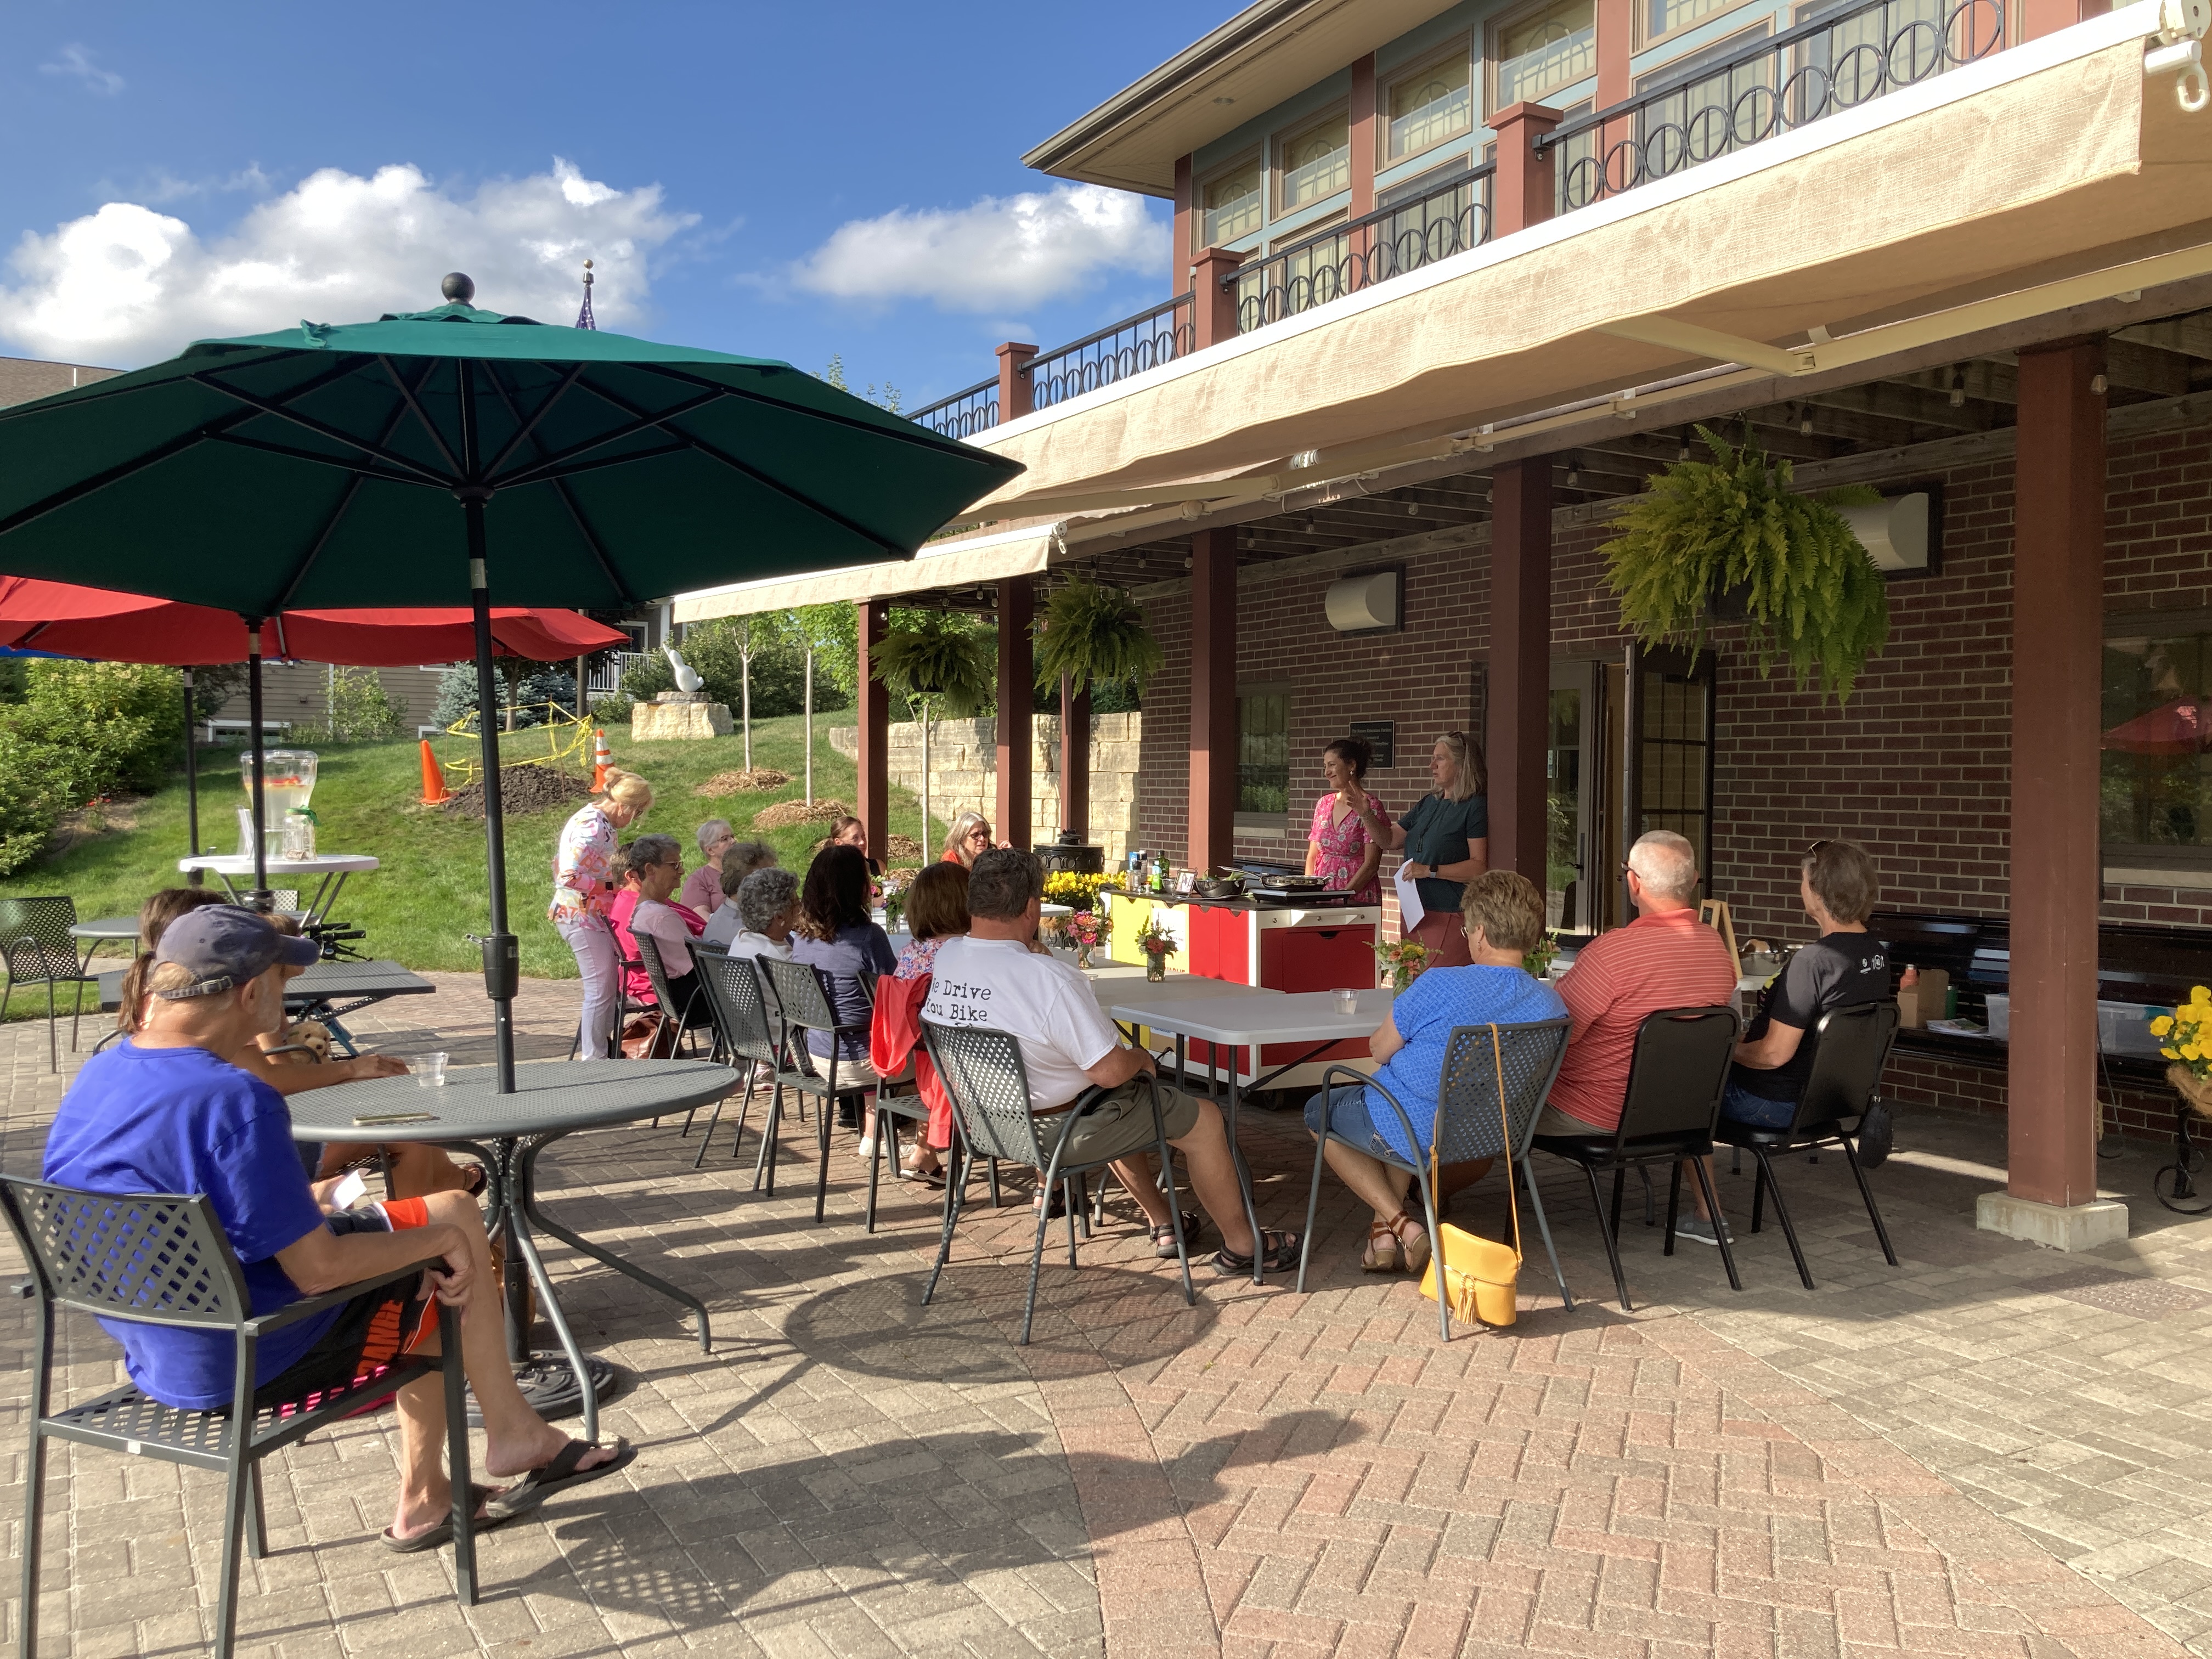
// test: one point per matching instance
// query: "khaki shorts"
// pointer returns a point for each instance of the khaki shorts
(1553, 1121)
(1122, 1124)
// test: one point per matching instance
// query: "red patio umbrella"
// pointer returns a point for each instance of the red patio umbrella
(106, 626)
(2181, 728)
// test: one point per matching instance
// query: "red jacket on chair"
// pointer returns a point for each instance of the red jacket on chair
(894, 1033)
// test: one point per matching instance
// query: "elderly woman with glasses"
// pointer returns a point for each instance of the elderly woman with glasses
(970, 834)
(703, 889)
(1445, 836)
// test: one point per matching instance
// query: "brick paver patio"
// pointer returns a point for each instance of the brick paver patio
(1992, 1449)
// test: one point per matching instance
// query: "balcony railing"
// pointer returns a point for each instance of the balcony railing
(1345, 259)
(1835, 62)
(963, 414)
(1145, 341)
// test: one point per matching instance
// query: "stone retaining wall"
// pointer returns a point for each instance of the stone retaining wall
(963, 771)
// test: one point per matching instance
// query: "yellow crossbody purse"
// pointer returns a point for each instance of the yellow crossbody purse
(1481, 1277)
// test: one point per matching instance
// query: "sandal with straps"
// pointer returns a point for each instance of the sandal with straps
(1415, 1251)
(1380, 1255)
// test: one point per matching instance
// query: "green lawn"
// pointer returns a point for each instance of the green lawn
(430, 892)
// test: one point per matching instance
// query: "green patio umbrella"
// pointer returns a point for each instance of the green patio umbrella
(434, 458)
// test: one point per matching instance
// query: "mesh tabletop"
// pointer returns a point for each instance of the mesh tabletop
(326, 982)
(106, 928)
(1270, 1017)
(551, 1097)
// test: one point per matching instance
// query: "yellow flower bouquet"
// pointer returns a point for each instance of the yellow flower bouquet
(2186, 1040)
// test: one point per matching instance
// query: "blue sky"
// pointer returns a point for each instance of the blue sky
(783, 180)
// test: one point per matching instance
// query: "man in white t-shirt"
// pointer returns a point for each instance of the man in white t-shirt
(991, 978)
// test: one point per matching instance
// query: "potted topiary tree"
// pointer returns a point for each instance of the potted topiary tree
(1728, 540)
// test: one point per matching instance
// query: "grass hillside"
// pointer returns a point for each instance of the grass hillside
(430, 892)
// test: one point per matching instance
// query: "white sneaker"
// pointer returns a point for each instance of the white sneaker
(1697, 1228)
(867, 1149)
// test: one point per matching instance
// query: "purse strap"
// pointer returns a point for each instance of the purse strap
(1504, 1140)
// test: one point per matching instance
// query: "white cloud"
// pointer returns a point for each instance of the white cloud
(1002, 253)
(128, 285)
(75, 63)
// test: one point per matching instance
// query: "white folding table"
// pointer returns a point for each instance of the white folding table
(327, 867)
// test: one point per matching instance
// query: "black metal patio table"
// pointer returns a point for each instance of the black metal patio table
(323, 992)
(551, 1099)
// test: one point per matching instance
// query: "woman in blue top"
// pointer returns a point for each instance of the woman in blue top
(1504, 915)
(837, 939)
(1446, 838)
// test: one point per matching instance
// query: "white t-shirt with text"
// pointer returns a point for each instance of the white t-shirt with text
(1045, 1003)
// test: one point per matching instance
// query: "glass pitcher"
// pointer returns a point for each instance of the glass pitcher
(288, 779)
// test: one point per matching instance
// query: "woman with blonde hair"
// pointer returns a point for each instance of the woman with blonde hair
(970, 834)
(583, 886)
(1446, 840)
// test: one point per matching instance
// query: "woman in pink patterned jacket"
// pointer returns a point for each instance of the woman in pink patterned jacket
(583, 885)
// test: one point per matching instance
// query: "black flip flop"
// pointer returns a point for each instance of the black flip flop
(437, 1537)
(542, 1482)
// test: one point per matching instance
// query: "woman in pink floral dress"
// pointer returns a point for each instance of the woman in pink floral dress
(1340, 847)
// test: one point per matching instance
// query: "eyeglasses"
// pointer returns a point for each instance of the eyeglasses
(1814, 850)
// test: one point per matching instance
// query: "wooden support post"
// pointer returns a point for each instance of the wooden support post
(1213, 306)
(1074, 758)
(873, 805)
(1015, 397)
(1015, 821)
(1212, 699)
(1524, 192)
(1520, 664)
(2059, 566)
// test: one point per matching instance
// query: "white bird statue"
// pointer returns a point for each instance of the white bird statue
(687, 677)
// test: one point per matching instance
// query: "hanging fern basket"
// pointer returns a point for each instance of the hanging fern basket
(1092, 632)
(1730, 540)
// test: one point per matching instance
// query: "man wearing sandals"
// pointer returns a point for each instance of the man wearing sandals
(165, 1112)
(992, 979)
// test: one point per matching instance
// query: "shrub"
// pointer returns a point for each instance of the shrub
(82, 730)
(362, 710)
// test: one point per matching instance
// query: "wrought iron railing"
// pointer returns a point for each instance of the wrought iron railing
(1834, 62)
(1129, 347)
(1346, 257)
(963, 414)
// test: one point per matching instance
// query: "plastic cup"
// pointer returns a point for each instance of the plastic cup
(1347, 1002)
(430, 1071)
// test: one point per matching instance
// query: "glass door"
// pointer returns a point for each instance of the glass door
(1573, 772)
(1670, 767)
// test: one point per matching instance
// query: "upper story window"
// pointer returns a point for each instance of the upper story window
(1665, 17)
(1229, 205)
(1434, 103)
(1316, 162)
(1540, 52)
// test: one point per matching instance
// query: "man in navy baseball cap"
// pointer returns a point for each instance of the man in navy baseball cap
(166, 1111)
(221, 947)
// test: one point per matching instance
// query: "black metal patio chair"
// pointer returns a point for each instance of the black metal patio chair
(1680, 1065)
(648, 955)
(1467, 1123)
(38, 949)
(799, 996)
(989, 1089)
(162, 1259)
(1850, 1045)
(746, 1037)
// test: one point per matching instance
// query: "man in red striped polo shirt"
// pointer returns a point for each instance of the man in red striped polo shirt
(1666, 958)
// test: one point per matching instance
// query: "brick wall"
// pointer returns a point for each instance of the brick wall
(1915, 766)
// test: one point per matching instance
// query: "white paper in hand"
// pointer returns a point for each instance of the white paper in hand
(1409, 899)
(348, 1191)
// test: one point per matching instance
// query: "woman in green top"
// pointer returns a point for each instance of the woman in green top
(1446, 840)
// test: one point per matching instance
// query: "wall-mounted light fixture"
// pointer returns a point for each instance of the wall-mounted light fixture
(1903, 533)
(1367, 601)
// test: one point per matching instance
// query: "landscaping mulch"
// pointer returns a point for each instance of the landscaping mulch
(739, 783)
(786, 813)
(522, 789)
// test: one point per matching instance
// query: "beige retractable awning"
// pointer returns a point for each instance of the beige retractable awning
(960, 564)
(2047, 174)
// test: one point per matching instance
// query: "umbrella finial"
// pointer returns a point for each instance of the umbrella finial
(584, 317)
(458, 287)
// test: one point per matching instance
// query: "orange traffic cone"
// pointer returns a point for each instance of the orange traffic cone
(602, 758)
(434, 779)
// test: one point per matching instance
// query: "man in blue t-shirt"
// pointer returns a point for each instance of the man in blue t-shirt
(1505, 917)
(167, 1112)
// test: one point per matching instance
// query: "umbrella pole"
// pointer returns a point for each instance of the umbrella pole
(501, 964)
(195, 878)
(261, 898)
